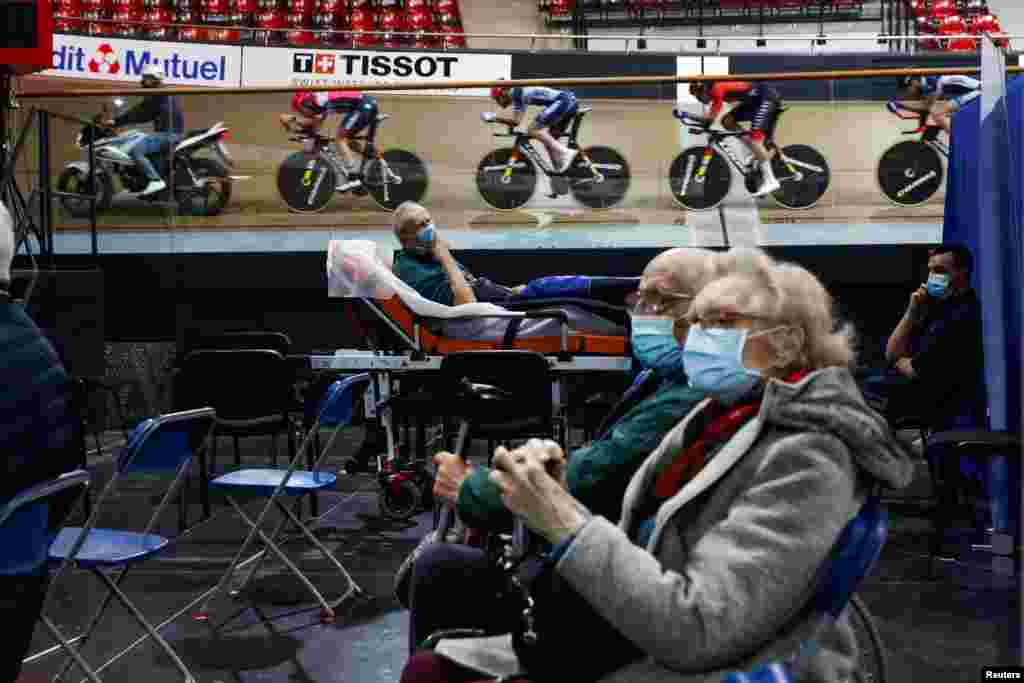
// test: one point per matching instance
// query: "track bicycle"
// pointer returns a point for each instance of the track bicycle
(910, 172)
(308, 180)
(700, 178)
(506, 178)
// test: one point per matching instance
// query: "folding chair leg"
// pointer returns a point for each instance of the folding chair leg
(153, 633)
(69, 648)
(256, 566)
(353, 586)
(93, 622)
(326, 614)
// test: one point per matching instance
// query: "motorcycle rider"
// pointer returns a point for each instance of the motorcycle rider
(168, 127)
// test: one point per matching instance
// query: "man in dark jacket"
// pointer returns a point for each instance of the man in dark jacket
(38, 441)
(168, 127)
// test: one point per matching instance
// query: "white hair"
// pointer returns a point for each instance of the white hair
(6, 244)
(789, 295)
(404, 212)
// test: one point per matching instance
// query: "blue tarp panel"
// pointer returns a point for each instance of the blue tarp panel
(984, 205)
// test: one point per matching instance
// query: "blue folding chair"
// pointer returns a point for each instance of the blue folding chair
(336, 411)
(29, 522)
(165, 443)
(854, 556)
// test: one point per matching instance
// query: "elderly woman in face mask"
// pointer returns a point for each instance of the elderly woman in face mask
(451, 584)
(712, 564)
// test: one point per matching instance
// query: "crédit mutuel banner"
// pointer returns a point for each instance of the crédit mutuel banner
(269, 66)
(117, 59)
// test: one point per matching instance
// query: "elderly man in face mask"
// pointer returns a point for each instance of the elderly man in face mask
(450, 581)
(426, 264)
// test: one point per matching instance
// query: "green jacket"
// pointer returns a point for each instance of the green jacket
(599, 472)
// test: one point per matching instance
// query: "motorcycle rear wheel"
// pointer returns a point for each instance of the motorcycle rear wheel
(209, 200)
(75, 180)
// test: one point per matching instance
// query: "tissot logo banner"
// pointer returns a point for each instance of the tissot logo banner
(113, 59)
(268, 66)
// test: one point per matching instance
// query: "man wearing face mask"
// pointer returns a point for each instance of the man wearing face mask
(935, 352)
(426, 264)
(598, 472)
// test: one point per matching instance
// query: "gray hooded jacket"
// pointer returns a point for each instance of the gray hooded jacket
(726, 576)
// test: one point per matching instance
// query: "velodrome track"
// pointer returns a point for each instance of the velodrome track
(447, 133)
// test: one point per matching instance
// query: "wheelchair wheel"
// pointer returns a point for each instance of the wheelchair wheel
(306, 182)
(815, 176)
(909, 173)
(604, 193)
(699, 179)
(402, 501)
(504, 186)
(872, 666)
(401, 177)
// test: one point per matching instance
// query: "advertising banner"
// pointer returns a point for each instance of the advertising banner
(271, 66)
(116, 59)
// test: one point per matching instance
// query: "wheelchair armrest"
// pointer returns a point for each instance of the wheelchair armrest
(433, 639)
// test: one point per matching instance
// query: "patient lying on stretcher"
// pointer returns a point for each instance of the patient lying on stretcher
(356, 270)
(425, 263)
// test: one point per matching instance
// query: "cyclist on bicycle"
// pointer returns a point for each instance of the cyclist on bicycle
(359, 110)
(754, 102)
(559, 106)
(940, 96)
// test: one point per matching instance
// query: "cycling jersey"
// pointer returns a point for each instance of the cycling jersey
(749, 95)
(335, 101)
(951, 86)
(537, 96)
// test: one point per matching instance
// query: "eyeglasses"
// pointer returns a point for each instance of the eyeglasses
(662, 304)
(726, 321)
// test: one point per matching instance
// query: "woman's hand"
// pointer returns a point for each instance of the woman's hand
(531, 493)
(451, 472)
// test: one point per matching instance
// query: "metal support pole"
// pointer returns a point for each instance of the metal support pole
(92, 201)
(45, 197)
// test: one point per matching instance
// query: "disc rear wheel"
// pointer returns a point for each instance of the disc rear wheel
(402, 177)
(804, 174)
(601, 182)
(909, 173)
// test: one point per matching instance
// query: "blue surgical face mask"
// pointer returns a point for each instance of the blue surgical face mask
(938, 285)
(713, 359)
(425, 240)
(655, 345)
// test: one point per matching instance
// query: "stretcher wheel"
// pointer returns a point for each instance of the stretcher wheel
(502, 186)
(326, 616)
(402, 501)
(813, 182)
(402, 177)
(307, 182)
(902, 168)
(605, 190)
(698, 191)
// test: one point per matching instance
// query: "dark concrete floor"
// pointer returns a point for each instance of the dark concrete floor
(937, 629)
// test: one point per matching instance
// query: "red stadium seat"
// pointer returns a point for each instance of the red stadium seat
(412, 5)
(393, 21)
(561, 8)
(920, 8)
(128, 11)
(943, 8)
(269, 20)
(364, 20)
(194, 32)
(975, 7)
(225, 35)
(447, 19)
(72, 9)
(446, 6)
(455, 39)
(158, 20)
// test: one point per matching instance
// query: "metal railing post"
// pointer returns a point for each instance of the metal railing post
(45, 191)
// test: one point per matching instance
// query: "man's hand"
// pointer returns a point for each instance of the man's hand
(918, 297)
(530, 492)
(451, 472)
(905, 367)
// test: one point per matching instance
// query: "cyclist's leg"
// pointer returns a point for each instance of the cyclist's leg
(942, 112)
(539, 128)
(354, 122)
(762, 127)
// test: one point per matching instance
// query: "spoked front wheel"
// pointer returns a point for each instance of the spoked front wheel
(398, 176)
(505, 184)
(909, 173)
(306, 182)
(804, 174)
(599, 178)
(699, 179)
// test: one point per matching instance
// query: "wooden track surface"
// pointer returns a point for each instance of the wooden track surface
(448, 134)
